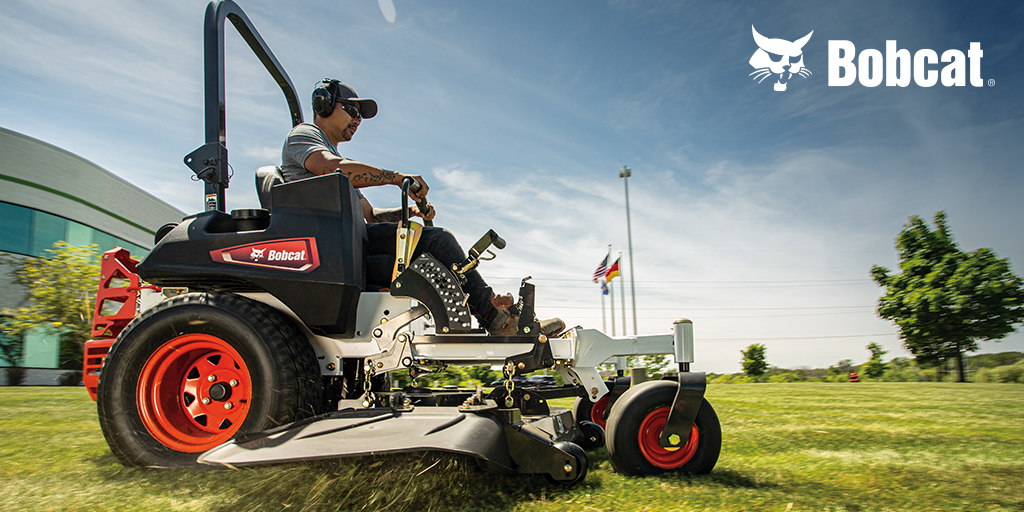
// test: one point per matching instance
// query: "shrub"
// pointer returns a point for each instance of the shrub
(1013, 373)
(786, 377)
(1009, 373)
(902, 369)
(738, 378)
(985, 375)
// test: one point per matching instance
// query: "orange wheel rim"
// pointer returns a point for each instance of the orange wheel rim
(194, 393)
(649, 437)
(597, 411)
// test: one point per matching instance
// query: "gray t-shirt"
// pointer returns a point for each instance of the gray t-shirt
(304, 140)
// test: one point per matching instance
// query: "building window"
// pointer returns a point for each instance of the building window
(15, 228)
(31, 232)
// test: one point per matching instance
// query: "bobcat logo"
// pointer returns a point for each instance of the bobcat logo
(779, 58)
(257, 253)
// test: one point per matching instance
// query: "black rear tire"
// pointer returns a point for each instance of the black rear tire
(199, 369)
(636, 422)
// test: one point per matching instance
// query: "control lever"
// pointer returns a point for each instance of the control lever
(422, 205)
(481, 247)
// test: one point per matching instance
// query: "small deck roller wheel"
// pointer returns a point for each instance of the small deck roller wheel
(635, 426)
(575, 470)
(194, 371)
(591, 435)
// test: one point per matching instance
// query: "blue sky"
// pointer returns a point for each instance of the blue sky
(757, 214)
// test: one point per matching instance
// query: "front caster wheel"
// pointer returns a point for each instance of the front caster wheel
(635, 426)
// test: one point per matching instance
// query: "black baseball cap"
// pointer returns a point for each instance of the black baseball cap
(342, 92)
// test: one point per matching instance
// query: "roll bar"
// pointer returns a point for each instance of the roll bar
(210, 161)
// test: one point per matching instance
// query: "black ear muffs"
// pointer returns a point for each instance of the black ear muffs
(323, 97)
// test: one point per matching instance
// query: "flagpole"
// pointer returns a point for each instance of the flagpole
(611, 293)
(625, 173)
(604, 324)
(623, 295)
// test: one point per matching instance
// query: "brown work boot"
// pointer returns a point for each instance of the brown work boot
(505, 324)
(502, 302)
(552, 326)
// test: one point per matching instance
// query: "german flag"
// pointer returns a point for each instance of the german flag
(613, 271)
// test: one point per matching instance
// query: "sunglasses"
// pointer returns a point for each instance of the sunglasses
(351, 110)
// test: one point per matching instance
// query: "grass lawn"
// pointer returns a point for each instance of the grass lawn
(787, 447)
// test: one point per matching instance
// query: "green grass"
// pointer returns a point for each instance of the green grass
(796, 447)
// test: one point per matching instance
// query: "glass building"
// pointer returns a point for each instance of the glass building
(48, 194)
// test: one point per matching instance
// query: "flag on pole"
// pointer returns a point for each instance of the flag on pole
(604, 288)
(613, 271)
(602, 268)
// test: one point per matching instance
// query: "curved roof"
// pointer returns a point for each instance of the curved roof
(41, 176)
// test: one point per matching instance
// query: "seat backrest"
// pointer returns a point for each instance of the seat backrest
(266, 178)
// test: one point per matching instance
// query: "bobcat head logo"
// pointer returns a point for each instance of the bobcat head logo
(778, 58)
(257, 254)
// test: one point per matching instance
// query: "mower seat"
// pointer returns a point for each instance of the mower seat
(266, 178)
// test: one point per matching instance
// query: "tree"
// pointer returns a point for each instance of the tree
(656, 365)
(62, 291)
(12, 348)
(874, 368)
(484, 374)
(754, 363)
(944, 301)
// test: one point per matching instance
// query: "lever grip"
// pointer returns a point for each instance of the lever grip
(422, 205)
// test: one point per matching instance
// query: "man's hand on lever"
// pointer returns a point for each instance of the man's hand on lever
(419, 188)
(418, 192)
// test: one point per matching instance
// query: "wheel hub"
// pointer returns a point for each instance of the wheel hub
(649, 437)
(194, 392)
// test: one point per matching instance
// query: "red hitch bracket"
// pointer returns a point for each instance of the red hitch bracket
(119, 284)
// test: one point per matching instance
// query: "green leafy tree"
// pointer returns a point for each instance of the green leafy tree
(874, 368)
(902, 369)
(944, 300)
(754, 364)
(62, 291)
(484, 374)
(11, 350)
(656, 365)
(840, 371)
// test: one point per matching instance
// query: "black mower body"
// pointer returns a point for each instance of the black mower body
(308, 254)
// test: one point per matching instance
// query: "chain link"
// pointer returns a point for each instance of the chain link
(368, 398)
(510, 384)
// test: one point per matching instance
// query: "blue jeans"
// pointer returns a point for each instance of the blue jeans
(439, 243)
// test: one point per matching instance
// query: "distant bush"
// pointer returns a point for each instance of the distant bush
(1011, 373)
(786, 377)
(902, 369)
(993, 360)
(842, 377)
(737, 378)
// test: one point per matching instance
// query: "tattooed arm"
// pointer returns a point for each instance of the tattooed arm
(361, 175)
(395, 214)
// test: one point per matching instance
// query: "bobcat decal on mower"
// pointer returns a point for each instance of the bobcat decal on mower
(298, 255)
